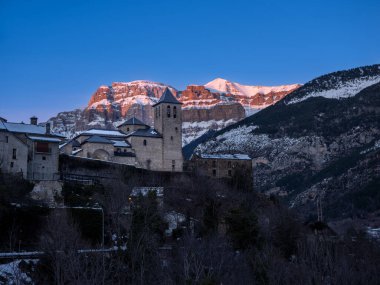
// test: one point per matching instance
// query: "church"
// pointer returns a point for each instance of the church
(134, 143)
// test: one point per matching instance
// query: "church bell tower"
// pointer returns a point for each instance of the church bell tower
(168, 122)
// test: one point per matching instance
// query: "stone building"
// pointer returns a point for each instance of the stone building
(135, 143)
(222, 165)
(29, 149)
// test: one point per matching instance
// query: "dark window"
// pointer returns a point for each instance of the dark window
(12, 164)
(214, 163)
(174, 112)
(14, 153)
(144, 142)
(118, 150)
(44, 158)
(125, 150)
(229, 173)
(42, 147)
(168, 111)
(173, 165)
(176, 129)
(127, 129)
(171, 137)
(214, 172)
(6, 139)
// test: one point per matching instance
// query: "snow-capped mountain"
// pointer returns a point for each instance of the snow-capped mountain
(203, 109)
(319, 142)
(252, 98)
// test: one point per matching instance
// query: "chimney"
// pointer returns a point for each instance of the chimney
(48, 128)
(33, 120)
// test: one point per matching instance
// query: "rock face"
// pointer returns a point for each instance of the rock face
(320, 142)
(204, 108)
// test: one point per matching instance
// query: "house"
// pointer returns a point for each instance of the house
(222, 165)
(135, 143)
(29, 149)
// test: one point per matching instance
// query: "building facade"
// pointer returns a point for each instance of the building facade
(222, 165)
(29, 150)
(135, 143)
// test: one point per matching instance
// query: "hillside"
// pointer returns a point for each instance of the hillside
(320, 142)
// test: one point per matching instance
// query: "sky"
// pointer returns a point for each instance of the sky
(55, 54)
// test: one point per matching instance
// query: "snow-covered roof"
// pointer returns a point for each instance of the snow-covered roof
(100, 132)
(167, 97)
(25, 128)
(98, 139)
(133, 121)
(44, 139)
(121, 144)
(152, 133)
(74, 152)
(225, 156)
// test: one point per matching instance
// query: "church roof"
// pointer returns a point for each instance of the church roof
(133, 121)
(152, 133)
(98, 139)
(104, 133)
(167, 97)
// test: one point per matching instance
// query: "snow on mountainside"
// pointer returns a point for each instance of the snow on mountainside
(336, 85)
(203, 109)
(319, 147)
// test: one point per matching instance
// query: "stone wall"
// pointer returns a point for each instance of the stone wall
(8, 164)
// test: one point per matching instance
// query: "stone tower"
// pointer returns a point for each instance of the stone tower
(168, 122)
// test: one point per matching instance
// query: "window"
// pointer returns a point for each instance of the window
(144, 142)
(229, 172)
(214, 172)
(214, 163)
(118, 150)
(168, 111)
(171, 137)
(44, 158)
(176, 129)
(6, 139)
(127, 129)
(12, 164)
(173, 165)
(174, 112)
(14, 153)
(42, 147)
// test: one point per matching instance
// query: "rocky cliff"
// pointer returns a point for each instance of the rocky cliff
(203, 108)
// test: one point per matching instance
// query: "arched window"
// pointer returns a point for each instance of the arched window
(174, 112)
(168, 111)
(144, 142)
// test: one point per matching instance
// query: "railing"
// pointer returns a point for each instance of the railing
(80, 179)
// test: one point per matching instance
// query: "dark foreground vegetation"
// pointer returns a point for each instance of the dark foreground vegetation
(221, 236)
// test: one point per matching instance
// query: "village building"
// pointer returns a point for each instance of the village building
(222, 165)
(30, 150)
(135, 143)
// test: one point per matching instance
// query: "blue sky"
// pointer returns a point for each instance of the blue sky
(54, 54)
